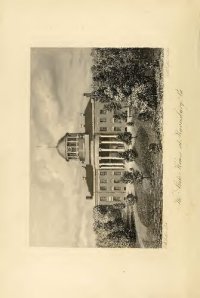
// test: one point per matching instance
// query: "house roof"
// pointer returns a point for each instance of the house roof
(61, 147)
(88, 119)
(89, 178)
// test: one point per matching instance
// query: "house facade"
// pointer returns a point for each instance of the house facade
(98, 151)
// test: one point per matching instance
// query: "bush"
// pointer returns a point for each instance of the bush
(125, 137)
(131, 199)
(146, 116)
(105, 213)
(109, 226)
(124, 71)
(133, 176)
(129, 155)
(131, 123)
(114, 239)
(120, 116)
(154, 148)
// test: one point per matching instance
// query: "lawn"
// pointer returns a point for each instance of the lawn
(150, 192)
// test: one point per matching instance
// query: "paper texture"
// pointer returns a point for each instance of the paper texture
(90, 272)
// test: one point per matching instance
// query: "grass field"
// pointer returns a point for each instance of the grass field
(150, 192)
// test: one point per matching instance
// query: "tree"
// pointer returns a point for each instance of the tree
(133, 176)
(112, 106)
(109, 227)
(129, 155)
(105, 213)
(131, 123)
(146, 116)
(113, 226)
(126, 137)
(127, 69)
(154, 148)
(116, 238)
(127, 177)
(101, 236)
(120, 116)
(98, 94)
(131, 199)
(119, 239)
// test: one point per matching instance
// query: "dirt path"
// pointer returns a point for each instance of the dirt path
(141, 230)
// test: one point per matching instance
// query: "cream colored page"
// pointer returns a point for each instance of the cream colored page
(90, 272)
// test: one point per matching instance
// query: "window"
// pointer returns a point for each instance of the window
(116, 128)
(117, 188)
(103, 180)
(103, 119)
(103, 199)
(103, 128)
(103, 188)
(117, 173)
(117, 120)
(71, 144)
(125, 188)
(103, 173)
(116, 181)
(102, 112)
(116, 199)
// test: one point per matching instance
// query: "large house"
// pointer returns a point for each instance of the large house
(98, 151)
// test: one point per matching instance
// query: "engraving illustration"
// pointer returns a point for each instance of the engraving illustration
(96, 147)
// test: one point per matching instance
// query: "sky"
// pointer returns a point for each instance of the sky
(60, 215)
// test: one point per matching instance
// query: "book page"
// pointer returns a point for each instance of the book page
(98, 163)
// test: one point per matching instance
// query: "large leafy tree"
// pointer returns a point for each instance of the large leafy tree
(131, 199)
(130, 71)
(126, 137)
(146, 116)
(109, 227)
(98, 94)
(133, 176)
(131, 123)
(116, 238)
(120, 115)
(129, 155)
(105, 213)
(119, 239)
(154, 148)
(112, 106)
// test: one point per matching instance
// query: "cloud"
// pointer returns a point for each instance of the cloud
(59, 212)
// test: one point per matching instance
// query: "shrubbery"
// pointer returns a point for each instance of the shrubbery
(129, 155)
(133, 176)
(109, 226)
(125, 75)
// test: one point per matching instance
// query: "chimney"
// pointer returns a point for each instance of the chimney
(87, 94)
